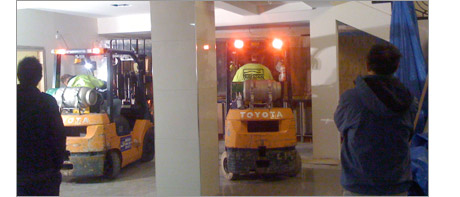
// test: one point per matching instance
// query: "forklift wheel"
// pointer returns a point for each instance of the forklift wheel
(112, 165)
(224, 168)
(297, 167)
(148, 147)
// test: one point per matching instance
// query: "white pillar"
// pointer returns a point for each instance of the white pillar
(185, 97)
(325, 87)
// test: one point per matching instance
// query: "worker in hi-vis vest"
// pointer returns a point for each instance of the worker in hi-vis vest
(90, 81)
(82, 81)
(252, 70)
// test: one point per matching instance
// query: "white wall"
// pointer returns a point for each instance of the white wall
(38, 29)
(124, 24)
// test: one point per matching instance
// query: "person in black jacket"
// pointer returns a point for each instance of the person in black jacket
(375, 120)
(40, 135)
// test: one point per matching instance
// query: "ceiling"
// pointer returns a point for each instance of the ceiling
(98, 9)
(95, 9)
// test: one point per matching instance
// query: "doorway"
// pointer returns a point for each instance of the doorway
(39, 53)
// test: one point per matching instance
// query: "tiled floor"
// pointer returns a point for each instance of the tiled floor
(138, 179)
(314, 180)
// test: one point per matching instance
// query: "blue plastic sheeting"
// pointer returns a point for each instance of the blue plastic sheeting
(420, 140)
(413, 69)
(419, 167)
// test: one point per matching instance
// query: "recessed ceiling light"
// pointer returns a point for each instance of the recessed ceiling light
(120, 5)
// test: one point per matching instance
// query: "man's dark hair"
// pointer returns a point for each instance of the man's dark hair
(383, 59)
(29, 71)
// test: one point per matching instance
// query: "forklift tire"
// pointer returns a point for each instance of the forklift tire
(148, 147)
(112, 165)
(224, 168)
(297, 167)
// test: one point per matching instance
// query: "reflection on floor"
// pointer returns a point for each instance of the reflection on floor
(311, 182)
(314, 180)
(138, 179)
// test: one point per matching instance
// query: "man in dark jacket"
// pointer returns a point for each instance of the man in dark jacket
(375, 120)
(40, 135)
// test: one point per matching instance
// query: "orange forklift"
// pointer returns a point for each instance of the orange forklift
(102, 137)
(260, 134)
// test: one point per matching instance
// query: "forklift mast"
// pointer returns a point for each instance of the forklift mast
(140, 106)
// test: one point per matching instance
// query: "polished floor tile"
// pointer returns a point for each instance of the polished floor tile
(314, 180)
(138, 179)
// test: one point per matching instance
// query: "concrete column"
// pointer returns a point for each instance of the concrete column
(325, 88)
(185, 97)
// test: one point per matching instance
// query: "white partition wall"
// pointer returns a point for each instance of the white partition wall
(185, 97)
(364, 16)
(325, 87)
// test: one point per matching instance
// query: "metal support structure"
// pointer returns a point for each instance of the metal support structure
(297, 122)
(140, 96)
(302, 120)
(144, 46)
(288, 78)
(109, 85)
(57, 71)
(229, 80)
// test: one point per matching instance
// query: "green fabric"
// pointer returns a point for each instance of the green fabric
(252, 71)
(85, 81)
(51, 91)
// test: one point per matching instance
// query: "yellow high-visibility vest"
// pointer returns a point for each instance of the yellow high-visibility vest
(252, 71)
(85, 81)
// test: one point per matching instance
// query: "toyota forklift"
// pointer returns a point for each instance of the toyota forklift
(103, 135)
(260, 130)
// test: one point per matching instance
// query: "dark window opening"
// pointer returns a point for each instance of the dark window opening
(263, 126)
(75, 131)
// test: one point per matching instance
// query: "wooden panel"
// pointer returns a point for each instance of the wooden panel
(299, 57)
(353, 49)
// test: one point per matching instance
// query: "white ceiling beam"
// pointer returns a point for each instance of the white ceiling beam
(319, 4)
(238, 7)
(268, 6)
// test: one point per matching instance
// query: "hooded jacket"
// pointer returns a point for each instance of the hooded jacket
(375, 120)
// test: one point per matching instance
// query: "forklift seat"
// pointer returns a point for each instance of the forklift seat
(122, 125)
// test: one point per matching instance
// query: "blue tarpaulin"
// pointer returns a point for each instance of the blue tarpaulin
(413, 69)
(419, 165)
(412, 72)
